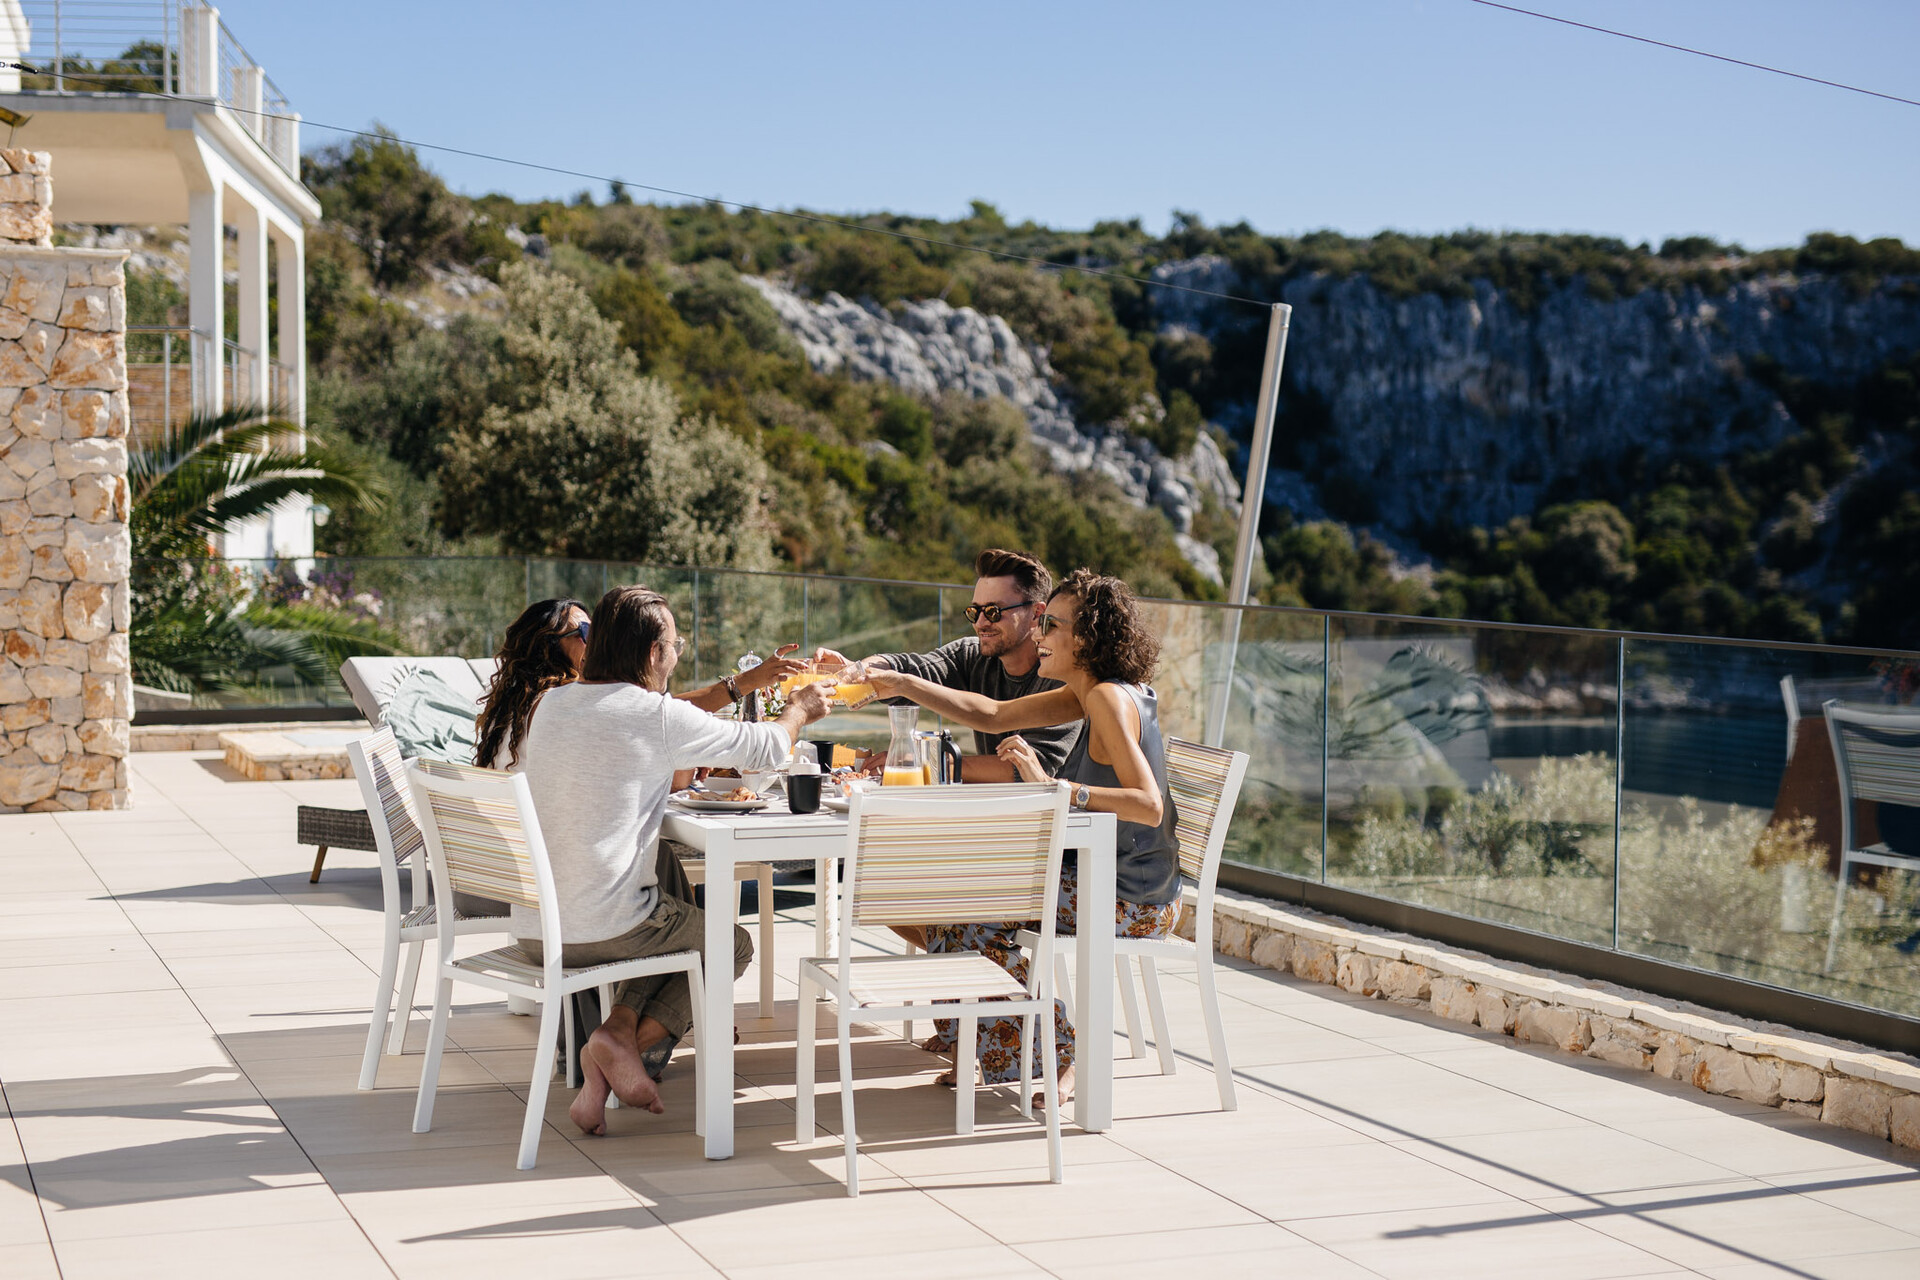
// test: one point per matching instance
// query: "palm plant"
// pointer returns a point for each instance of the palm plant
(199, 627)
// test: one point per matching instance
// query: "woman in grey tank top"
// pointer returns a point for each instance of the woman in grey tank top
(1092, 641)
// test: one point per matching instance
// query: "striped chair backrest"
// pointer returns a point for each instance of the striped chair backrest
(387, 773)
(1878, 752)
(1200, 778)
(984, 860)
(482, 841)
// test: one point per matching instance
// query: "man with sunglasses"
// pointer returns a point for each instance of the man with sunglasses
(1000, 660)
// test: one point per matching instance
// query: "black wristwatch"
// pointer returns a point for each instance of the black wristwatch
(733, 690)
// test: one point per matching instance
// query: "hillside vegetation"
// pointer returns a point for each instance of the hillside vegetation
(592, 378)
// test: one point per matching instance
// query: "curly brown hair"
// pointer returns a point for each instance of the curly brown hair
(530, 662)
(1116, 646)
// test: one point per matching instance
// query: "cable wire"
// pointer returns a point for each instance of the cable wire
(819, 219)
(1698, 53)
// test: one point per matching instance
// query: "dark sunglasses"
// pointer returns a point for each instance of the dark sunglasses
(993, 612)
(581, 631)
(1048, 624)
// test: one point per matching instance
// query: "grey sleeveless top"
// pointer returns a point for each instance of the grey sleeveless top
(1147, 859)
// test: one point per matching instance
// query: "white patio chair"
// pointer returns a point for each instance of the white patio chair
(1878, 755)
(1205, 782)
(483, 837)
(940, 855)
(378, 768)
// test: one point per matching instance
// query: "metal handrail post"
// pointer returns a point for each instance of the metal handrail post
(59, 57)
(1252, 490)
(1619, 774)
(1326, 737)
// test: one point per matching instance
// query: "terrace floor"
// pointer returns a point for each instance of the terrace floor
(181, 1016)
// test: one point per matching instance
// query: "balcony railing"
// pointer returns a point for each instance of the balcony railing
(169, 47)
(171, 373)
(1655, 796)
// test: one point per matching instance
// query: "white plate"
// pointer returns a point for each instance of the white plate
(839, 804)
(721, 806)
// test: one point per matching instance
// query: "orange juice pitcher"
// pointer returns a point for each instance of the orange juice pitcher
(903, 767)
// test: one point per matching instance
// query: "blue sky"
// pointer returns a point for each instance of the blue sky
(1418, 115)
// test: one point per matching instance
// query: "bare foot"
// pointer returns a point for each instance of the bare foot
(618, 1061)
(1065, 1087)
(935, 1043)
(589, 1109)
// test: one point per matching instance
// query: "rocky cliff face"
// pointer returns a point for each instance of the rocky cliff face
(930, 347)
(1471, 410)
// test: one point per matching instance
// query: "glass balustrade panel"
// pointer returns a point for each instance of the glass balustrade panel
(1471, 770)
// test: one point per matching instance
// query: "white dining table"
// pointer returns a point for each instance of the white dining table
(774, 835)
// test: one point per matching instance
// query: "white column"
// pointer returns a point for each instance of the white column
(251, 383)
(250, 97)
(290, 273)
(200, 51)
(206, 299)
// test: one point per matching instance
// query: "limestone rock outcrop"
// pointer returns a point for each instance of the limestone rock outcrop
(930, 348)
(1470, 410)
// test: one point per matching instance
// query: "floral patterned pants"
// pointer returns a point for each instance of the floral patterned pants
(999, 1039)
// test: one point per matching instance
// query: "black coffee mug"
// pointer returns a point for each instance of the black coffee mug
(824, 750)
(803, 792)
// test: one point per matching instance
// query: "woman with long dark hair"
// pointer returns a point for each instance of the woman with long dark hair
(544, 648)
(1094, 642)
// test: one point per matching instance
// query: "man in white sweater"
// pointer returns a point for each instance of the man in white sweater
(599, 757)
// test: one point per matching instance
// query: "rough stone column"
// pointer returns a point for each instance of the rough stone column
(66, 692)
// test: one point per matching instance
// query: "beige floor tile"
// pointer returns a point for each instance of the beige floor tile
(1728, 1224)
(335, 1250)
(1260, 1249)
(20, 1219)
(159, 915)
(580, 1237)
(1021, 1206)
(196, 1093)
(659, 1166)
(215, 944)
(809, 1225)
(28, 1260)
(1886, 1196)
(339, 1038)
(927, 1161)
(1333, 1180)
(109, 1054)
(382, 1120)
(1493, 1239)
(1582, 1159)
(1768, 1144)
(985, 1260)
(28, 953)
(79, 918)
(272, 1203)
(1260, 1123)
(1900, 1264)
(463, 1174)
(1394, 1098)
(133, 971)
(98, 1153)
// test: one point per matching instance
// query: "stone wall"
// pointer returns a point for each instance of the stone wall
(1845, 1085)
(66, 692)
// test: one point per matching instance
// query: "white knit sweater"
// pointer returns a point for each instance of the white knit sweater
(599, 759)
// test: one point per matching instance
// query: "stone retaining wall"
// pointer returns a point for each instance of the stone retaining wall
(206, 737)
(66, 692)
(1844, 1085)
